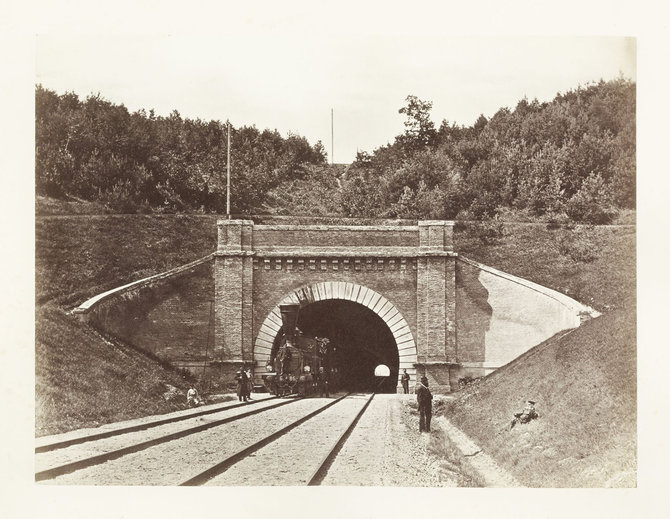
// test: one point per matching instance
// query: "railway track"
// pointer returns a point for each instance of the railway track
(106, 454)
(303, 458)
(51, 444)
(286, 432)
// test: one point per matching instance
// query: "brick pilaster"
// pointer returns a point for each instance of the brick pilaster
(233, 285)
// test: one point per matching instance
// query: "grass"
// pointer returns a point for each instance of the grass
(584, 384)
(80, 256)
(532, 251)
(83, 381)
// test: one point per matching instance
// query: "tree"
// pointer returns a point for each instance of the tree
(419, 129)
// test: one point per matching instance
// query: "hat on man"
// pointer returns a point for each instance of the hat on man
(531, 402)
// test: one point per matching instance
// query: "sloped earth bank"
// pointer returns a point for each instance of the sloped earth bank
(585, 387)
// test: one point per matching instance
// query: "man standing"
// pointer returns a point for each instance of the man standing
(405, 381)
(242, 380)
(425, 400)
(323, 382)
(250, 383)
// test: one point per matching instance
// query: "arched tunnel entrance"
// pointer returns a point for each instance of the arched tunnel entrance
(359, 339)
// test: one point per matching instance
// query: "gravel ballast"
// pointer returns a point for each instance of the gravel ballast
(77, 452)
(293, 458)
(176, 461)
(384, 449)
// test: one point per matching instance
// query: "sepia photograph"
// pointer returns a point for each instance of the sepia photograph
(304, 251)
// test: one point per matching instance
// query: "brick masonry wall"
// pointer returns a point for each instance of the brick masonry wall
(268, 237)
(473, 314)
(170, 318)
(233, 307)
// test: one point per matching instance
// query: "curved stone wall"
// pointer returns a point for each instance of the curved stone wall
(500, 316)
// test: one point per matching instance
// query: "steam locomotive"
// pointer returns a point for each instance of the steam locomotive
(296, 360)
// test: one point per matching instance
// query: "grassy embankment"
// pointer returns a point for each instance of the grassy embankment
(584, 382)
(82, 380)
(584, 385)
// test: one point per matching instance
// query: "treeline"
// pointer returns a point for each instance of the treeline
(571, 158)
(139, 162)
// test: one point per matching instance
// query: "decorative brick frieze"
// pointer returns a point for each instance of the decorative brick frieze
(334, 264)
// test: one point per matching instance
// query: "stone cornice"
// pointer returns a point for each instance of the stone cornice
(350, 228)
(387, 252)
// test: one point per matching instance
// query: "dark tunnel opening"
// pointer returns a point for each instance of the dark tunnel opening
(360, 341)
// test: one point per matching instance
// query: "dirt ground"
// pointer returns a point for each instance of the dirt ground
(387, 449)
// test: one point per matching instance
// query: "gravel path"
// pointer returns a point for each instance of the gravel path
(293, 458)
(176, 461)
(58, 457)
(387, 449)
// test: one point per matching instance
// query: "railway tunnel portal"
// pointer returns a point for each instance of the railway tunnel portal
(382, 294)
(393, 296)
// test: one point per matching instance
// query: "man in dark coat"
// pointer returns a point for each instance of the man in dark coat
(242, 382)
(322, 381)
(425, 400)
(405, 381)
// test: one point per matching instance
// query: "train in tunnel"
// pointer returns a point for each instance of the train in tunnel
(344, 340)
(298, 361)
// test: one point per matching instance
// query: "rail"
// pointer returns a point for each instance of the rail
(140, 427)
(67, 468)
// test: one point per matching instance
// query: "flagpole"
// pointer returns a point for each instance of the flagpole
(228, 175)
(332, 139)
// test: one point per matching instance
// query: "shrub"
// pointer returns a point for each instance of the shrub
(489, 231)
(593, 203)
(467, 380)
(559, 221)
(119, 198)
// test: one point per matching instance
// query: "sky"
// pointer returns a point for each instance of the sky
(291, 82)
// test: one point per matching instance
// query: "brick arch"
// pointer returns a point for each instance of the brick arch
(346, 291)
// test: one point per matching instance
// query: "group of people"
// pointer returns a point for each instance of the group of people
(244, 379)
(424, 397)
